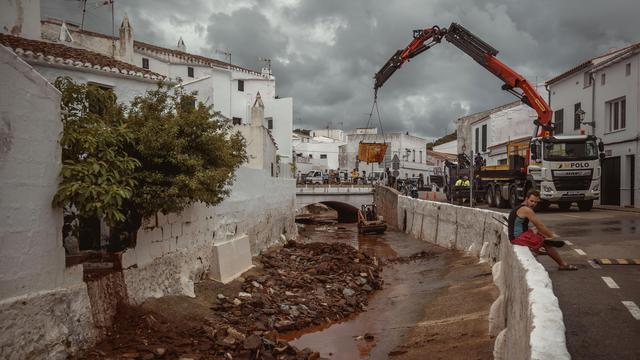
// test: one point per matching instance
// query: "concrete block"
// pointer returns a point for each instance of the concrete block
(230, 259)
(470, 234)
(418, 215)
(495, 234)
(430, 221)
(447, 226)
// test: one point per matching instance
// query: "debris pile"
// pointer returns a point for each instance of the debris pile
(296, 286)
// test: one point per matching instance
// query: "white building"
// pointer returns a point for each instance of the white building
(410, 150)
(607, 89)
(318, 151)
(230, 89)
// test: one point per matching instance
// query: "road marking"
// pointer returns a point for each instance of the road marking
(568, 242)
(633, 309)
(579, 251)
(594, 265)
(618, 261)
(610, 283)
(573, 216)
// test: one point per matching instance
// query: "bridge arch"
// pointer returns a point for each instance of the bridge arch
(347, 213)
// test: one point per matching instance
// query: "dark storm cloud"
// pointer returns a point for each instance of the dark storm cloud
(326, 52)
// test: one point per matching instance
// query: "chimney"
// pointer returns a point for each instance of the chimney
(257, 111)
(181, 46)
(125, 45)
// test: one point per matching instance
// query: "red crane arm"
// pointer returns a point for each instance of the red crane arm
(422, 41)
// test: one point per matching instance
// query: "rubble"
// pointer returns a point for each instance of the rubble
(297, 286)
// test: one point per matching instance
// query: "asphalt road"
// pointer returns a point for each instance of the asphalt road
(598, 302)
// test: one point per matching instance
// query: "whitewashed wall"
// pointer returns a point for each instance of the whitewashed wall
(44, 307)
(21, 18)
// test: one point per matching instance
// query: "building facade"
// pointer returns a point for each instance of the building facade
(601, 97)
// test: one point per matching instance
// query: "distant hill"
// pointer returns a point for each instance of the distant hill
(442, 140)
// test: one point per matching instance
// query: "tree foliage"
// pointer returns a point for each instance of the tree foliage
(161, 153)
(97, 173)
(187, 152)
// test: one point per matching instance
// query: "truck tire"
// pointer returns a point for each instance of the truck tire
(491, 201)
(499, 200)
(564, 205)
(542, 205)
(513, 196)
(585, 205)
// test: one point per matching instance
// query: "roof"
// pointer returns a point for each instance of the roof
(591, 62)
(187, 57)
(64, 55)
(483, 114)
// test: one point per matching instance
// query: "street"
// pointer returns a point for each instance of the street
(599, 325)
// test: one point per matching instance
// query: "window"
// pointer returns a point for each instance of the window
(270, 123)
(477, 140)
(310, 156)
(95, 106)
(145, 63)
(559, 121)
(587, 80)
(414, 156)
(617, 114)
(190, 71)
(420, 159)
(576, 116)
(323, 156)
(240, 85)
(603, 79)
(484, 137)
(627, 69)
(236, 121)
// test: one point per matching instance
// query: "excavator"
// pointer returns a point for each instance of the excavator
(565, 169)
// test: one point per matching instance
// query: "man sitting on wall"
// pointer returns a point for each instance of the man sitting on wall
(541, 236)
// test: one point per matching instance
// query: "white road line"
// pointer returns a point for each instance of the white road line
(610, 283)
(633, 309)
(594, 265)
(579, 251)
(568, 242)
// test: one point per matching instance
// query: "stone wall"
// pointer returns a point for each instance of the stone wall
(176, 250)
(526, 318)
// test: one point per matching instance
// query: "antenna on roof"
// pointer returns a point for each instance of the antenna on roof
(84, 11)
(113, 25)
(267, 62)
(226, 53)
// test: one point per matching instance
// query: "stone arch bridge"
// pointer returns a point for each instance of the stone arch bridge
(345, 199)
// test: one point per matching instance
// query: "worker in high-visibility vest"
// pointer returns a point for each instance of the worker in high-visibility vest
(463, 182)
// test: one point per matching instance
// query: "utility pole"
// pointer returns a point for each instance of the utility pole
(113, 29)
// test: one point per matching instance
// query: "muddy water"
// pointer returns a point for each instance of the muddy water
(392, 311)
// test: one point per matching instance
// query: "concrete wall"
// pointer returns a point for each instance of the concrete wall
(526, 318)
(44, 307)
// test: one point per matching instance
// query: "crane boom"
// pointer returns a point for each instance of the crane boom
(484, 54)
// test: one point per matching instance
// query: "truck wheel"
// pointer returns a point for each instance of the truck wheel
(513, 197)
(564, 206)
(491, 201)
(585, 205)
(497, 194)
(542, 205)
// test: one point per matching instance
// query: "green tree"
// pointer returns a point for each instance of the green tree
(188, 154)
(97, 173)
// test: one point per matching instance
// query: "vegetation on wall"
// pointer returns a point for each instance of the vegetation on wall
(162, 153)
(442, 140)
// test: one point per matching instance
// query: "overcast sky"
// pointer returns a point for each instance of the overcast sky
(325, 52)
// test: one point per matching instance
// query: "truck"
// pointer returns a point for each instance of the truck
(565, 169)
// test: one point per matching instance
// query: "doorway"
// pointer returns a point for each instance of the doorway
(610, 181)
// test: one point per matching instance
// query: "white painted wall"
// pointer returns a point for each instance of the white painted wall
(44, 306)
(318, 146)
(21, 18)
(450, 147)
(622, 143)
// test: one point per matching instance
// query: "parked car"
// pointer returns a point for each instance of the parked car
(316, 177)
